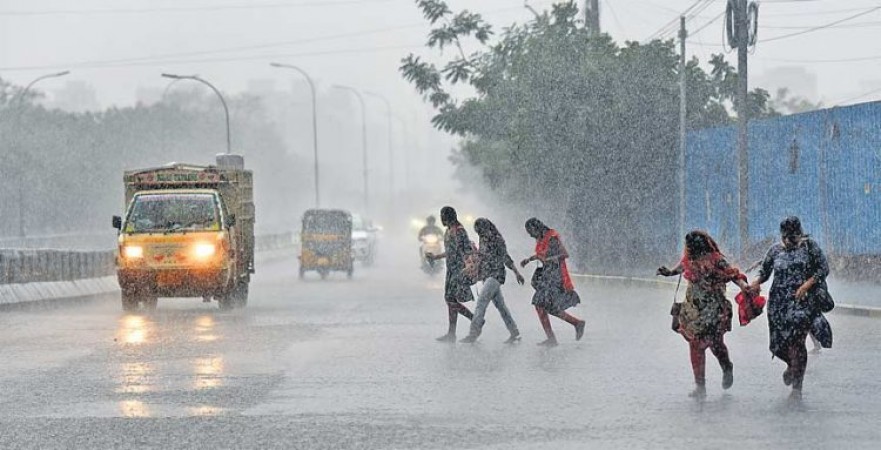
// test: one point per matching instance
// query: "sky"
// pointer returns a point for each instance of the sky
(119, 46)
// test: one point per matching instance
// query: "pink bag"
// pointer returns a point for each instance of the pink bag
(749, 307)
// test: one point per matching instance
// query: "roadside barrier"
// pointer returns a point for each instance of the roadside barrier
(40, 266)
(840, 308)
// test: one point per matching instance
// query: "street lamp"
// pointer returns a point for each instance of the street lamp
(168, 88)
(391, 145)
(219, 95)
(17, 114)
(363, 139)
(314, 123)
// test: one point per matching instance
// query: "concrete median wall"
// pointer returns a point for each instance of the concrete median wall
(44, 275)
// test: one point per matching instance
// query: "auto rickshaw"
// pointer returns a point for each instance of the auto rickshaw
(326, 242)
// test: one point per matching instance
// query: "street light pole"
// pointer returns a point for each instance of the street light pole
(391, 145)
(314, 124)
(219, 95)
(17, 113)
(360, 98)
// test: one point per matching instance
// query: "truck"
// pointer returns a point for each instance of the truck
(188, 231)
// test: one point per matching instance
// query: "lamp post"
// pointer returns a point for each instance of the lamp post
(360, 98)
(314, 124)
(391, 145)
(219, 95)
(17, 113)
(165, 136)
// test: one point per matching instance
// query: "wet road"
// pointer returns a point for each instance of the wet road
(354, 364)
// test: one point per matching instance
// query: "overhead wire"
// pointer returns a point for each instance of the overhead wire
(813, 13)
(672, 23)
(821, 27)
(186, 9)
(804, 27)
(220, 50)
(865, 94)
(691, 13)
(825, 61)
(160, 58)
(608, 4)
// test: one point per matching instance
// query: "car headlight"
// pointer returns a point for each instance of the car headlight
(204, 250)
(133, 252)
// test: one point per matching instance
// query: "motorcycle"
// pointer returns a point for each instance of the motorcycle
(431, 244)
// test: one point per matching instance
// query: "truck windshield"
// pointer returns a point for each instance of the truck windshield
(173, 212)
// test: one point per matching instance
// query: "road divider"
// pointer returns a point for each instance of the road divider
(840, 308)
(44, 275)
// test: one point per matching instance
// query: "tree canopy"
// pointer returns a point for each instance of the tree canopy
(70, 165)
(574, 125)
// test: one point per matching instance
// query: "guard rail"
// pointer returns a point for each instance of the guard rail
(34, 266)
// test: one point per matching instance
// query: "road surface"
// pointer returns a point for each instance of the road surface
(354, 364)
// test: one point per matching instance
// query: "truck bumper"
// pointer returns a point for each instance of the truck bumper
(199, 282)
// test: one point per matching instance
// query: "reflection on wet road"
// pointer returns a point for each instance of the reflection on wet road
(353, 364)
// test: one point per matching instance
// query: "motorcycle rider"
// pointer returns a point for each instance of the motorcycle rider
(430, 228)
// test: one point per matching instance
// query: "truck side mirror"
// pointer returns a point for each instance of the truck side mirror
(117, 222)
(230, 220)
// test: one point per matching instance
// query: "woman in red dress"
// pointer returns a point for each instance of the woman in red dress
(705, 316)
(554, 290)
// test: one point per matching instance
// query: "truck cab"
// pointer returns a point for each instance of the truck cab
(187, 232)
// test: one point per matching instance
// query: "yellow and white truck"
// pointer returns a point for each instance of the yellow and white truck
(188, 231)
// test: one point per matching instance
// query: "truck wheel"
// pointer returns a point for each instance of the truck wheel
(129, 302)
(226, 302)
(150, 303)
(240, 295)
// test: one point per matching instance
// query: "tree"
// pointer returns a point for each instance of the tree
(71, 164)
(573, 125)
(787, 103)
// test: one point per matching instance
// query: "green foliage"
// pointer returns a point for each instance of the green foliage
(785, 102)
(575, 121)
(71, 164)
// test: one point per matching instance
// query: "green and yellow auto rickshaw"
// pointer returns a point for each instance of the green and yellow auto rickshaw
(326, 242)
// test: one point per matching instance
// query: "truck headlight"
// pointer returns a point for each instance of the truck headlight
(133, 252)
(204, 250)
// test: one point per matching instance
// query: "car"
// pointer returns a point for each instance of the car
(364, 237)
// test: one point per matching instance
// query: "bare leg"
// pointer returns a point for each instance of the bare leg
(720, 350)
(697, 352)
(546, 324)
(574, 321)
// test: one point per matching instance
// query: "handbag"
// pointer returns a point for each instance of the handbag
(821, 330)
(537, 278)
(822, 298)
(676, 308)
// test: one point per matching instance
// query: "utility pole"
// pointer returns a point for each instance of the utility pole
(592, 16)
(741, 28)
(683, 110)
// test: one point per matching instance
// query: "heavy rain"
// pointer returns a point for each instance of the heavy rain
(371, 224)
